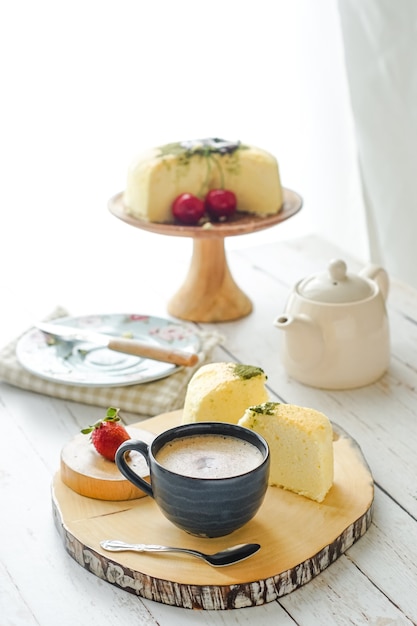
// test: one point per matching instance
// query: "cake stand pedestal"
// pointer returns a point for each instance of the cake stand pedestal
(209, 292)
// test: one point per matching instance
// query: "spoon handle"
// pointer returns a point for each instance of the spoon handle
(121, 546)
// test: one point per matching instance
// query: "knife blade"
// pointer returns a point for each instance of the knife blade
(120, 344)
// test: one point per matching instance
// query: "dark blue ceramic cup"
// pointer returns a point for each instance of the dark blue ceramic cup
(206, 507)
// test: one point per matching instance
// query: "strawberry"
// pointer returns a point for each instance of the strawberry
(107, 434)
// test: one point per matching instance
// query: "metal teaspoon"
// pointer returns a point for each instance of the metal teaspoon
(225, 557)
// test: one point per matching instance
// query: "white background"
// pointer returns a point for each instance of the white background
(86, 85)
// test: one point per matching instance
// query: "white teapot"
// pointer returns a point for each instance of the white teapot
(336, 331)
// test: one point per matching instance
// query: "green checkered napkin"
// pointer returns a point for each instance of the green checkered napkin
(147, 399)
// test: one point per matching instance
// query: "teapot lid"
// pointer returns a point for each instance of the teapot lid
(336, 285)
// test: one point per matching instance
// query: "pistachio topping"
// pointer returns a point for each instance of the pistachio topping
(267, 408)
(248, 371)
(220, 155)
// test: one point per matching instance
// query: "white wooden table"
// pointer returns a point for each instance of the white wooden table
(374, 582)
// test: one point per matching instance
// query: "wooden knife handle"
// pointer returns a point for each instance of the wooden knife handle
(157, 353)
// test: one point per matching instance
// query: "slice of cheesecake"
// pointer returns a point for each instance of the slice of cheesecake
(221, 392)
(301, 446)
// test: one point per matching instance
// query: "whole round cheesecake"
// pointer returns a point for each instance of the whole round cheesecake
(156, 178)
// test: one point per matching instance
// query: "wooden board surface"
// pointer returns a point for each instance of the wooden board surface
(299, 538)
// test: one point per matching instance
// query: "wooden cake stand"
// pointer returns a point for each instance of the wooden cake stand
(299, 538)
(209, 293)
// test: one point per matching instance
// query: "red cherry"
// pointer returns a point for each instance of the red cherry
(220, 203)
(188, 209)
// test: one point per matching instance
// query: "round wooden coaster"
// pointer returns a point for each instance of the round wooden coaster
(89, 474)
(299, 538)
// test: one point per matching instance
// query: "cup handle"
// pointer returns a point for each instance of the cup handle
(126, 470)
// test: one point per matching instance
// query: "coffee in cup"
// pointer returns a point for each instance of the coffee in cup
(209, 456)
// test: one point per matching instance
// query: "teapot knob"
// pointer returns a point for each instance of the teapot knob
(337, 270)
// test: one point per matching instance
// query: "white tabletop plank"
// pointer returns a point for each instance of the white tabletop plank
(375, 580)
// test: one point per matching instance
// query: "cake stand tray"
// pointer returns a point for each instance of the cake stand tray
(299, 538)
(209, 293)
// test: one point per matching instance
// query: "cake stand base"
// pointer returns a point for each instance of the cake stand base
(209, 293)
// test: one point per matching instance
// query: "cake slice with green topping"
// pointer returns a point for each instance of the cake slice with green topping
(221, 392)
(301, 446)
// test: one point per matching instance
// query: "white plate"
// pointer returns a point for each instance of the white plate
(83, 363)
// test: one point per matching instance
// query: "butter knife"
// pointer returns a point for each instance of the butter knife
(120, 344)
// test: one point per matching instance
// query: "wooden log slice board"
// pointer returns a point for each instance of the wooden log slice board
(299, 538)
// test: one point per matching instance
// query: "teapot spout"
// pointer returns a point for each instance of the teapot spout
(304, 344)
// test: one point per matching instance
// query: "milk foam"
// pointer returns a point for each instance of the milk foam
(209, 456)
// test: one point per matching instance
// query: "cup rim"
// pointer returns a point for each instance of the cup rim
(216, 428)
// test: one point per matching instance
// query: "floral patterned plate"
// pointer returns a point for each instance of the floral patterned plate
(83, 363)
